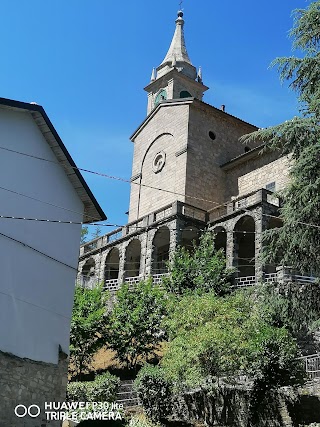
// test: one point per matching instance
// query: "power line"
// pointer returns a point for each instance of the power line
(38, 251)
(126, 181)
(104, 175)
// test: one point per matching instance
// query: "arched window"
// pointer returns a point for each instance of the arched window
(185, 94)
(133, 255)
(244, 246)
(220, 239)
(111, 269)
(160, 252)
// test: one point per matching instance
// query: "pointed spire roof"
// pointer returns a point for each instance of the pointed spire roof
(177, 55)
(178, 50)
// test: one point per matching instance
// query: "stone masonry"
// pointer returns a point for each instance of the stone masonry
(26, 382)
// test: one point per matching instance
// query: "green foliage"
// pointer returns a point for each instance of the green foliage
(88, 326)
(154, 392)
(204, 269)
(140, 420)
(297, 243)
(223, 337)
(97, 232)
(293, 306)
(134, 330)
(103, 389)
(84, 234)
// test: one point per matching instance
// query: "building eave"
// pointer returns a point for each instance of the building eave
(92, 210)
(252, 154)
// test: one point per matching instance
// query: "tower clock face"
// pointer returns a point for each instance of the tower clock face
(160, 97)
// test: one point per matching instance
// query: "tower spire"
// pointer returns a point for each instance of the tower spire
(177, 53)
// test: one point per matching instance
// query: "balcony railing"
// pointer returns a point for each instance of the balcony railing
(144, 222)
(113, 285)
(244, 202)
(246, 281)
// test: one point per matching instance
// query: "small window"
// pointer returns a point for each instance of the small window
(212, 135)
(271, 186)
(185, 94)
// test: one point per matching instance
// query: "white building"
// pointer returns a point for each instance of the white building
(39, 259)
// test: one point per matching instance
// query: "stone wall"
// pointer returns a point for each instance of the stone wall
(240, 406)
(276, 171)
(164, 132)
(204, 177)
(27, 382)
(255, 171)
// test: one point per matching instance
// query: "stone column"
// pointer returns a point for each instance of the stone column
(259, 228)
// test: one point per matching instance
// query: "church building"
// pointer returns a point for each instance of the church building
(190, 172)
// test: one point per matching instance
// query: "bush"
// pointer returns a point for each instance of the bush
(88, 326)
(103, 389)
(154, 392)
(134, 326)
(203, 270)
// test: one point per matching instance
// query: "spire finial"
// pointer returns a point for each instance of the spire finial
(153, 74)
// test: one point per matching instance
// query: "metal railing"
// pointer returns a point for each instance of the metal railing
(312, 365)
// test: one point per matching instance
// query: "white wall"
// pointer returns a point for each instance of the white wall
(36, 293)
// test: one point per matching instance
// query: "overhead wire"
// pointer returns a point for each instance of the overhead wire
(121, 180)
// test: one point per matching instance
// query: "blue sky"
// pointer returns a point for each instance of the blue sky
(87, 62)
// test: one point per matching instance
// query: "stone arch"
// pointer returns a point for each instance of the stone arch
(272, 222)
(220, 241)
(133, 259)
(88, 268)
(190, 235)
(244, 246)
(111, 268)
(160, 250)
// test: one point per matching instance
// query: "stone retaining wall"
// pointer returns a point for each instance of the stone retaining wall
(26, 382)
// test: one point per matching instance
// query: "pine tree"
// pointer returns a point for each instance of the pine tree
(297, 243)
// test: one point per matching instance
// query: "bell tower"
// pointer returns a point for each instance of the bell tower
(175, 77)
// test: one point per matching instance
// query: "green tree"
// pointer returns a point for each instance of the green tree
(88, 327)
(297, 242)
(134, 330)
(204, 269)
(97, 232)
(84, 234)
(210, 336)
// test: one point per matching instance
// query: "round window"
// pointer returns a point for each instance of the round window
(212, 135)
(158, 162)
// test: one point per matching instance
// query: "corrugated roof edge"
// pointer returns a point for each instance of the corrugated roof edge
(38, 108)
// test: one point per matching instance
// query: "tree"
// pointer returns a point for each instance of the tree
(134, 326)
(97, 232)
(297, 242)
(84, 234)
(210, 336)
(88, 326)
(204, 269)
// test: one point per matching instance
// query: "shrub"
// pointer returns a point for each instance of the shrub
(154, 392)
(134, 328)
(203, 270)
(103, 389)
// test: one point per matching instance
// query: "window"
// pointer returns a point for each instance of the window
(185, 94)
(271, 186)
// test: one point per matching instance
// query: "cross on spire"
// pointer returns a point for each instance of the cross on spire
(180, 4)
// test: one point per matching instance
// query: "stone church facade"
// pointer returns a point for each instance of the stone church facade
(190, 173)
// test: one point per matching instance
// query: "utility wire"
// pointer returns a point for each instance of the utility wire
(122, 180)
(116, 178)
(38, 251)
